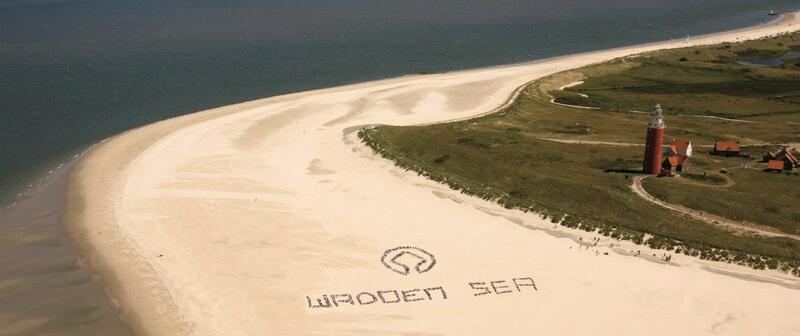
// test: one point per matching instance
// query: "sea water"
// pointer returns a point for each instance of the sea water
(73, 72)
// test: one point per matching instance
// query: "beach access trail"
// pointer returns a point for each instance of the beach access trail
(711, 219)
(244, 220)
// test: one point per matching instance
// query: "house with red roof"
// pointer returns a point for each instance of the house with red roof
(678, 155)
(726, 148)
(781, 160)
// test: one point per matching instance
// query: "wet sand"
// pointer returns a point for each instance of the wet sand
(46, 292)
(43, 289)
(250, 219)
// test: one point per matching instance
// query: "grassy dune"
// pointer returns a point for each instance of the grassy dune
(519, 158)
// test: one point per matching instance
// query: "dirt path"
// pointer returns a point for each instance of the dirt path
(738, 227)
(593, 142)
(628, 144)
(553, 101)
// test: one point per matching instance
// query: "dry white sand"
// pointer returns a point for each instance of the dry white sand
(222, 222)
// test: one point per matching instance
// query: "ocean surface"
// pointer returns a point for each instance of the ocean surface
(73, 72)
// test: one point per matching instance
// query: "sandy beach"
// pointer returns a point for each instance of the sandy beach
(271, 218)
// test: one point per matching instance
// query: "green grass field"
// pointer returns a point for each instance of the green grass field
(507, 156)
(753, 197)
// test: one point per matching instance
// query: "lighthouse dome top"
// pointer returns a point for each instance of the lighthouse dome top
(657, 118)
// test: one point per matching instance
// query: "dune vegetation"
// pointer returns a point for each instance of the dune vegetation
(570, 145)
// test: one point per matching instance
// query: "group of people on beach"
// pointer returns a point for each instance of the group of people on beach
(581, 246)
(595, 241)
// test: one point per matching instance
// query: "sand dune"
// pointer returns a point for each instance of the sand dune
(234, 221)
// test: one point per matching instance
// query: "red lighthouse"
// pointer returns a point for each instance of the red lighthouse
(655, 139)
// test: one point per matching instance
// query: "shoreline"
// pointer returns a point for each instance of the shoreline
(45, 276)
(125, 175)
(22, 193)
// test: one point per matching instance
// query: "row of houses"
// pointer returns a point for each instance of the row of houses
(679, 152)
(676, 158)
(778, 161)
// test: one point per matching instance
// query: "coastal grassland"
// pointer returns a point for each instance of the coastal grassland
(752, 197)
(575, 165)
(737, 188)
(709, 81)
(586, 187)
